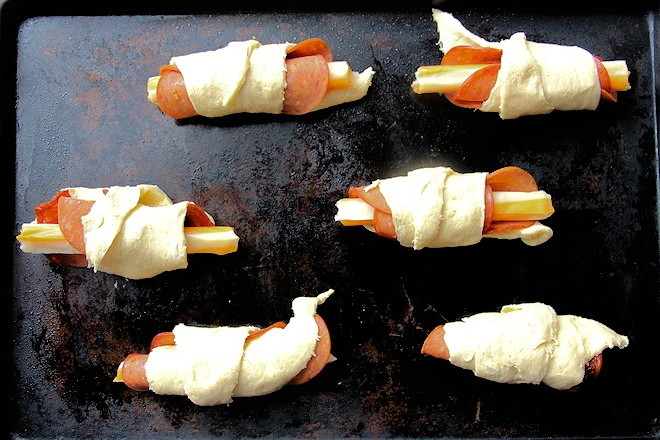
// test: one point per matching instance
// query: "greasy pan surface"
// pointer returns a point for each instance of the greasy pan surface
(81, 118)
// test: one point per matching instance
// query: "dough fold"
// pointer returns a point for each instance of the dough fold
(528, 343)
(534, 78)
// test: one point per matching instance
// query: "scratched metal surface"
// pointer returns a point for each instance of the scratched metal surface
(81, 118)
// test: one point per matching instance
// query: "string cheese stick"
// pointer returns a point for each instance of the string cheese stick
(43, 238)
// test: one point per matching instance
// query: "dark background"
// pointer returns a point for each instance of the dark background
(75, 114)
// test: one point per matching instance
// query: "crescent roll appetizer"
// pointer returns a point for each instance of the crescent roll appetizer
(248, 77)
(516, 77)
(132, 231)
(438, 207)
(525, 343)
(212, 365)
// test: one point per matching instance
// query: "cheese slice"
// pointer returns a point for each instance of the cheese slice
(528, 343)
(534, 78)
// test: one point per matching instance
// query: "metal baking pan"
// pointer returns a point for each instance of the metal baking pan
(75, 113)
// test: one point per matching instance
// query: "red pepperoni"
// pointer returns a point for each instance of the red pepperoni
(261, 331)
(489, 202)
(478, 85)
(196, 216)
(511, 179)
(172, 96)
(465, 104)
(593, 367)
(306, 84)
(510, 225)
(70, 212)
(162, 339)
(47, 212)
(435, 345)
(471, 55)
(311, 46)
(372, 197)
(133, 372)
(320, 357)
(384, 225)
(603, 75)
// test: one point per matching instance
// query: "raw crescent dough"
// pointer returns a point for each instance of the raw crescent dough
(248, 77)
(243, 76)
(212, 365)
(121, 236)
(528, 343)
(534, 78)
(436, 207)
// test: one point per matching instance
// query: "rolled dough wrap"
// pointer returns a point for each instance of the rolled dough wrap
(248, 77)
(211, 365)
(528, 343)
(133, 231)
(534, 78)
(436, 207)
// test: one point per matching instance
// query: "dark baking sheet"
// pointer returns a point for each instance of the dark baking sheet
(81, 118)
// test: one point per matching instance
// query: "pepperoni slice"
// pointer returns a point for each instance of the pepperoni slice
(510, 225)
(459, 103)
(311, 46)
(478, 85)
(196, 216)
(70, 212)
(320, 357)
(435, 345)
(372, 197)
(592, 369)
(172, 96)
(489, 202)
(306, 84)
(384, 225)
(47, 212)
(133, 372)
(473, 94)
(511, 179)
(261, 331)
(162, 339)
(471, 55)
